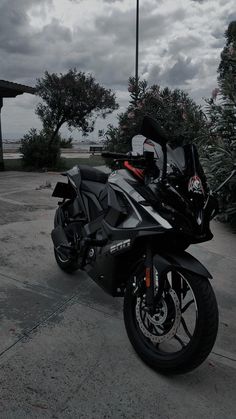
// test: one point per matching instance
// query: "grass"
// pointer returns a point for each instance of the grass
(13, 164)
(65, 164)
(91, 161)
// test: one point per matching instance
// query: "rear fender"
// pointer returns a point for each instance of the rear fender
(180, 262)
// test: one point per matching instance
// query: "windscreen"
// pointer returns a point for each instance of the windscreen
(175, 158)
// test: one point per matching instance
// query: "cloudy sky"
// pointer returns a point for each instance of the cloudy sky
(180, 45)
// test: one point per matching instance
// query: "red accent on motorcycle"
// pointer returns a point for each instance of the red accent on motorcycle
(137, 172)
(148, 277)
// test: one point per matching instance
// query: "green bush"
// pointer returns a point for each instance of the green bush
(220, 155)
(218, 161)
(39, 150)
(66, 142)
(182, 119)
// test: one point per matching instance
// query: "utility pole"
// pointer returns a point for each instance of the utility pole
(137, 48)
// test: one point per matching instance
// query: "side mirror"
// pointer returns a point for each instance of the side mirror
(137, 145)
(152, 130)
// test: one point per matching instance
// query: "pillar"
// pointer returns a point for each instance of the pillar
(1, 146)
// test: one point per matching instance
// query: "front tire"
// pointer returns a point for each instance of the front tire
(155, 338)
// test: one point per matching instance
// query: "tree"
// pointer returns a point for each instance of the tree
(227, 66)
(183, 120)
(220, 156)
(74, 99)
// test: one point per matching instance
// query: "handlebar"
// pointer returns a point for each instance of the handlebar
(110, 155)
(147, 156)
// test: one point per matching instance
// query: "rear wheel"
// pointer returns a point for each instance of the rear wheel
(67, 264)
(179, 336)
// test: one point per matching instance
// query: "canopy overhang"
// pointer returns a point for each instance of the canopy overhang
(9, 89)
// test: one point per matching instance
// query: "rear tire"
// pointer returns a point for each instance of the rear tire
(200, 344)
(68, 265)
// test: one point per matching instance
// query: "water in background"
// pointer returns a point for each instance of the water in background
(13, 146)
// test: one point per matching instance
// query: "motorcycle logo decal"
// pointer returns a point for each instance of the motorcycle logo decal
(120, 246)
(195, 185)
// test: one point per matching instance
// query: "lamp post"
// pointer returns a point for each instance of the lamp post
(137, 48)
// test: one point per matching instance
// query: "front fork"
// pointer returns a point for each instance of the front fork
(153, 295)
(149, 279)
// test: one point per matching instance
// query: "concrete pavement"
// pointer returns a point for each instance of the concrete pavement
(64, 352)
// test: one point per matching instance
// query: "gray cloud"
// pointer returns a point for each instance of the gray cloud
(219, 43)
(153, 74)
(14, 27)
(107, 49)
(231, 17)
(26, 52)
(179, 45)
(112, 1)
(105, 1)
(121, 24)
(181, 72)
(184, 44)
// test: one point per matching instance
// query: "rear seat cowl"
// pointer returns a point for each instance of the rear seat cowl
(95, 175)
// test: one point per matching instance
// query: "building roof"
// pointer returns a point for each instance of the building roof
(10, 89)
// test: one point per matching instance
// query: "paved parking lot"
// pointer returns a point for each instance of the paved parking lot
(64, 352)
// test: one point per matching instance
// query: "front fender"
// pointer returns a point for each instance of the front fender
(179, 261)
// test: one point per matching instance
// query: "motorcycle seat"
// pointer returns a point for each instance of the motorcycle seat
(92, 174)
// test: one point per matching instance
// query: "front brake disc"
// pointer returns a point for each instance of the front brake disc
(156, 321)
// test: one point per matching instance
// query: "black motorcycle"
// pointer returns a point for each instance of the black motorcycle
(129, 231)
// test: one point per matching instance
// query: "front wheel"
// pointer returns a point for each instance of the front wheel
(181, 332)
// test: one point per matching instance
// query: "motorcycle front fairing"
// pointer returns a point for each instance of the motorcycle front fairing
(126, 247)
(130, 221)
(126, 224)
